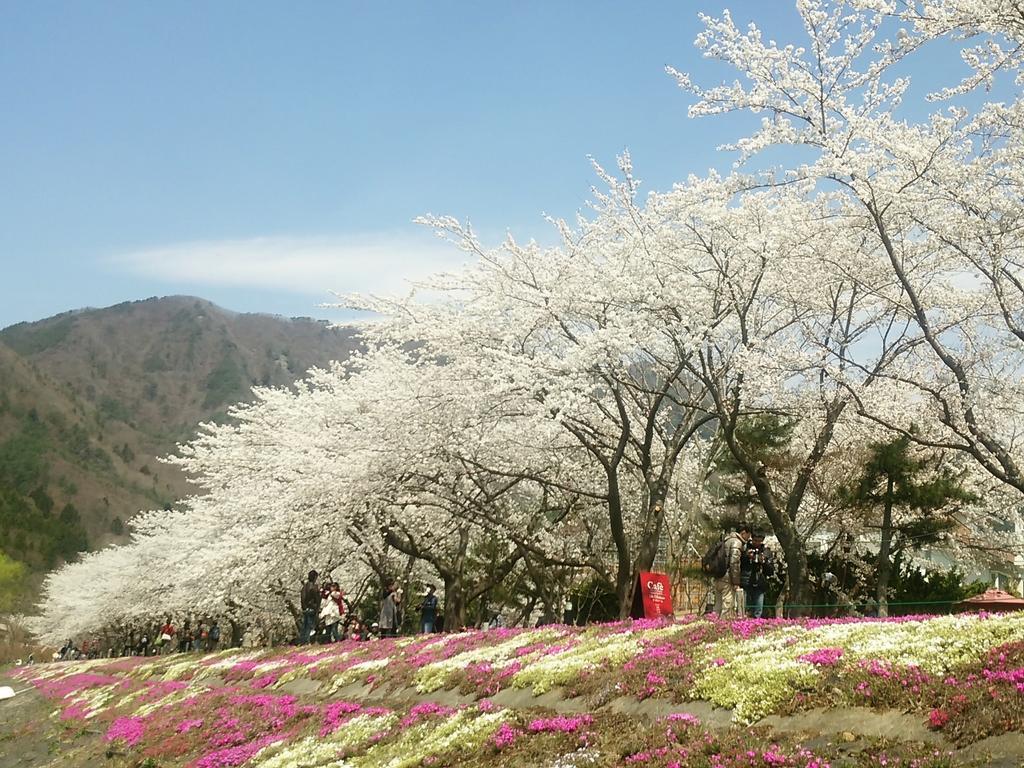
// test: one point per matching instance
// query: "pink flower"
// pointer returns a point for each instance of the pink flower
(425, 709)
(264, 682)
(823, 657)
(938, 718)
(127, 729)
(334, 716)
(505, 736)
(559, 724)
(683, 717)
(187, 725)
(232, 756)
(509, 670)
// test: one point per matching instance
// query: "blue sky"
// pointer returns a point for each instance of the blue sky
(258, 154)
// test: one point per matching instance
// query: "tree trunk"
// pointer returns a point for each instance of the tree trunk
(236, 633)
(454, 603)
(623, 569)
(293, 610)
(796, 572)
(884, 554)
(793, 550)
(654, 522)
(524, 615)
(780, 603)
(648, 546)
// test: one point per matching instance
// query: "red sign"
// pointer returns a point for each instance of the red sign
(656, 594)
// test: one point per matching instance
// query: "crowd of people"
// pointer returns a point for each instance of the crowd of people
(154, 640)
(323, 610)
(327, 617)
(169, 638)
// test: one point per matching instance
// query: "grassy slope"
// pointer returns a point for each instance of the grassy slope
(623, 694)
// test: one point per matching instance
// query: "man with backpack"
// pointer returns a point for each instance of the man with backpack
(723, 563)
(213, 638)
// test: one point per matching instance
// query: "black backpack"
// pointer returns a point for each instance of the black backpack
(715, 561)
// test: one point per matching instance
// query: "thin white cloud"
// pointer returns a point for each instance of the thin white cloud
(372, 263)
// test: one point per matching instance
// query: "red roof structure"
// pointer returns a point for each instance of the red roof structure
(993, 600)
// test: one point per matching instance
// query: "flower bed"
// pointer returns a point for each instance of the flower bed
(225, 728)
(962, 676)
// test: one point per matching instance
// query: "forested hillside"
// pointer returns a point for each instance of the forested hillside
(90, 399)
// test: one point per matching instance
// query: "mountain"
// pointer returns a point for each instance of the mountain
(89, 399)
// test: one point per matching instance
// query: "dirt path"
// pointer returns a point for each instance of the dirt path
(31, 738)
(28, 738)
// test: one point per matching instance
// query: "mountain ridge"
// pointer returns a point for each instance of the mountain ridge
(90, 398)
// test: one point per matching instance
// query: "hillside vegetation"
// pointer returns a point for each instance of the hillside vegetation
(89, 399)
(695, 692)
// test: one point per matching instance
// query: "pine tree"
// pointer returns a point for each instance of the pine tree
(893, 479)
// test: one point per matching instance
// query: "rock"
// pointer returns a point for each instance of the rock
(1003, 751)
(850, 723)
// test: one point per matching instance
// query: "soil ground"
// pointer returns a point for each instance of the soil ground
(28, 737)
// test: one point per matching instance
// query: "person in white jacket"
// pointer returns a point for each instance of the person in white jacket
(330, 616)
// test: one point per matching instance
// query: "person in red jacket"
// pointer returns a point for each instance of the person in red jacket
(339, 597)
(166, 637)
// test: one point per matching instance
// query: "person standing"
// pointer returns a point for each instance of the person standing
(309, 599)
(331, 617)
(756, 566)
(728, 594)
(388, 621)
(185, 637)
(338, 596)
(166, 637)
(213, 639)
(428, 611)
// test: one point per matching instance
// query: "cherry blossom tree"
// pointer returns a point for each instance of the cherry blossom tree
(594, 337)
(936, 201)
